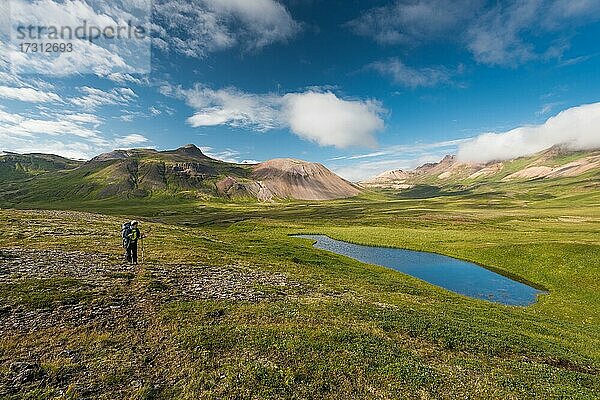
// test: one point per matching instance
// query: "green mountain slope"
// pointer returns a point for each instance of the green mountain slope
(183, 173)
(15, 167)
(128, 174)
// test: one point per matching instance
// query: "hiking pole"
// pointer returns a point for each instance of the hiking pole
(142, 238)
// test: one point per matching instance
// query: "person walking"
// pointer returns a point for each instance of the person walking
(132, 236)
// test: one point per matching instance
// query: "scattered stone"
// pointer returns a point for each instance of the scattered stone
(24, 372)
(98, 293)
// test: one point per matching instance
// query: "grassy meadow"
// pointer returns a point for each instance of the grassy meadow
(337, 329)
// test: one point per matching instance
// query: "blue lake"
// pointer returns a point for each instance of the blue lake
(456, 275)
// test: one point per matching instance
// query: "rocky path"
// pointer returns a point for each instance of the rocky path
(46, 293)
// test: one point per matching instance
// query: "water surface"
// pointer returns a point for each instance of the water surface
(456, 275)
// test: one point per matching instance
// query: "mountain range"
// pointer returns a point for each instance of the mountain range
(554, 163)
(187, 172)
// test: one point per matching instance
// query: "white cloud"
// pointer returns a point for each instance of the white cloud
(59, 134)
(78, 150)
(548, 107)
(94, 98)
(495, 33)
(69, 135)
(412, 77)
(197, 28)
(232, 107)
(413, 22)
(496, 37)
(578, 128)
(121, 78)
(227, 155)
(578, 10)
(328, 120)
(322, 117)
(18, 81)
(85, 57)
(8, 118)
(130, 140)
(29, 127)
(102, 57)
(84, 118)
(28, 94)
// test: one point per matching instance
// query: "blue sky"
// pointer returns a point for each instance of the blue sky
(361, 87)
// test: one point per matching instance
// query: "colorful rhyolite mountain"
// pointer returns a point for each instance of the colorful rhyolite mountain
(556, 162)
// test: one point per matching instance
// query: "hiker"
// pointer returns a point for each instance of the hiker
(130, 241)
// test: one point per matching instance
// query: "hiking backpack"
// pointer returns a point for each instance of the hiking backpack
(125, 230)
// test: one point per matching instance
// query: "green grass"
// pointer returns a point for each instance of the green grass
(44, 293)
(354, 330)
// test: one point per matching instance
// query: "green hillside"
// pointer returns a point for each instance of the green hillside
(123, 174)
(227, 305)
(15, 167)
(186, 173)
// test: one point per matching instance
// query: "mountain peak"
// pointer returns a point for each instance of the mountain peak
(548, 163)
(189, 146)
(190, 150)
(298, 179)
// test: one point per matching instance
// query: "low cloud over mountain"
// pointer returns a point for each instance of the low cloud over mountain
(577, 128)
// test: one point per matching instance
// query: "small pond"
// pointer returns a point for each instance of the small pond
(456, 275)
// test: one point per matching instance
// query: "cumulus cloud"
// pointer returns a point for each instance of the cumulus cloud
(28, 94)
(232, 107)
(328, 120)
(577, 128)
(322, 117)
(200, 27)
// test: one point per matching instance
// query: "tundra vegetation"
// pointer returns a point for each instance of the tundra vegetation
(228, 305)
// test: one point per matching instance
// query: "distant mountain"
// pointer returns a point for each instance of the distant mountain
(186, 171)
(15, 166)
(556, 162)
(290, 178)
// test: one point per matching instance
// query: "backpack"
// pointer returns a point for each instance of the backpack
(125, 230)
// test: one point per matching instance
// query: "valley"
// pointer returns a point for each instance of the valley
(226, 304)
